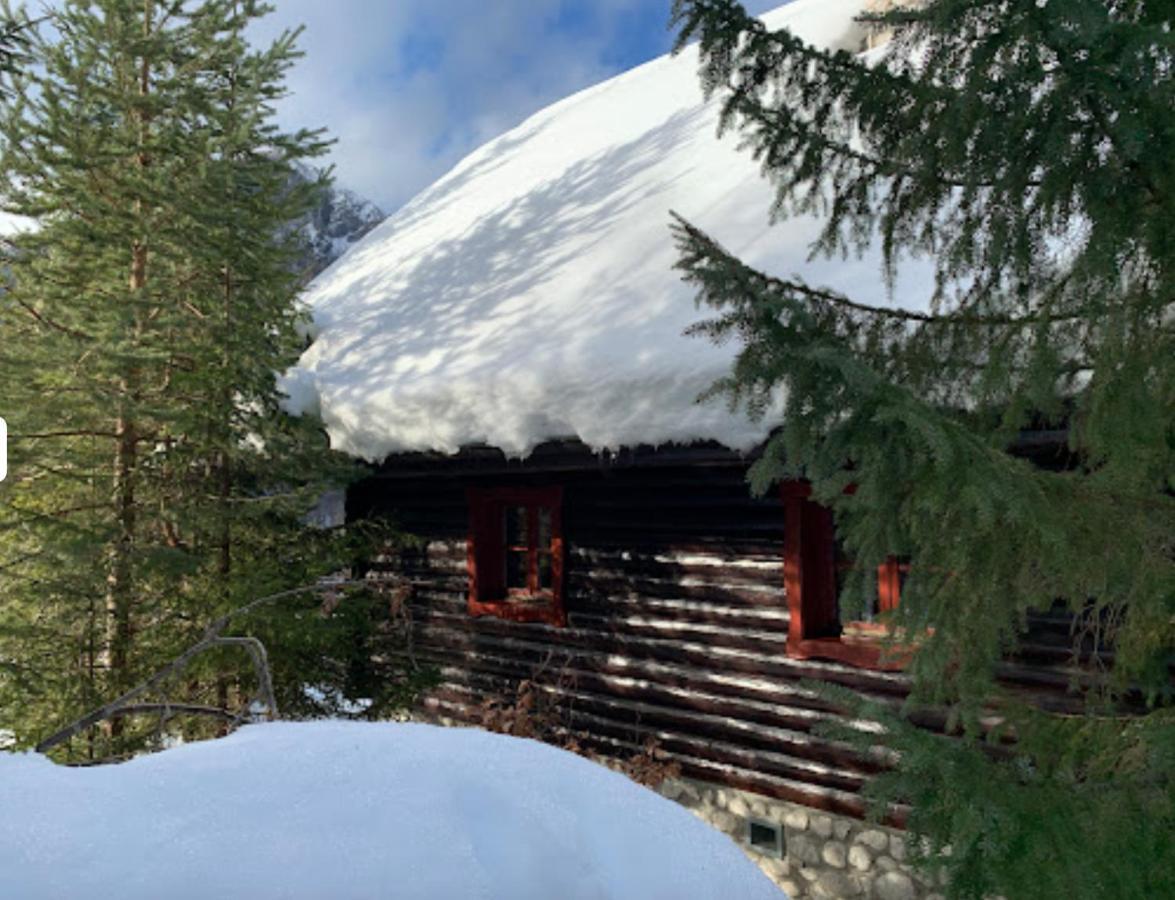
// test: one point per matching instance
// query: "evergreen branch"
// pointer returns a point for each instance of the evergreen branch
(718, 23)
(44, 435)
(707, 246)
(1038, 14)
(52, 514)
(20, 560)
(44, 320)
(784, 123)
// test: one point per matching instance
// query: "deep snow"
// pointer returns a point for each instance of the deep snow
(10, 224)
(337, 810)
(530, 293)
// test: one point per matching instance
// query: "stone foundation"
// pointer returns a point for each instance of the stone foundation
(809, 854)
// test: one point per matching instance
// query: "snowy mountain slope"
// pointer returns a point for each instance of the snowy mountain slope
(530, 293)
(334, 226)
(305, 811)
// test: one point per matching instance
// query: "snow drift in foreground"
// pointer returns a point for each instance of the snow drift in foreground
(356, 810)
(530, 293)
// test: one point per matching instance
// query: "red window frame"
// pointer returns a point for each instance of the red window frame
(487, 555)
(809, 572)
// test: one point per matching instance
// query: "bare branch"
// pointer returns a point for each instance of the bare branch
(212, 638)
(167, 710)
(256, 649)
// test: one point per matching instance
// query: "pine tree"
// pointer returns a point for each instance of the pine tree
(1026, 148)
(154, 481)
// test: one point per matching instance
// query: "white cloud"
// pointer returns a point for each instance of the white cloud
(400, 122)
(409, 87)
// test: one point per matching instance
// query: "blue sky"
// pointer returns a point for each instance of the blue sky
(409, 87)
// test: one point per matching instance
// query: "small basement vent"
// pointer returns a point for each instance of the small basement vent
(766, 837)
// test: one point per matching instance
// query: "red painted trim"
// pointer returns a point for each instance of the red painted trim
(809, 575)
(486, 555)
(795, 490)
(889, 584)
(862, 652)
(793, 565)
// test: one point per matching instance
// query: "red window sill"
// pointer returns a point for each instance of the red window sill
(862, 652)
(520, 611)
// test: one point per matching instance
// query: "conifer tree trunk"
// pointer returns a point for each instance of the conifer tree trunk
(223, 430)
(120, 580)
(224, 489)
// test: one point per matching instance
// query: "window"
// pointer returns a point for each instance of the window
(887, 590)
(814, 567)
(516, 554)
(766, 837)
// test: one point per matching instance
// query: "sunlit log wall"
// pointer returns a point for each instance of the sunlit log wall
(677, 618)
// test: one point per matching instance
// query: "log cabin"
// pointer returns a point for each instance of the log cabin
(509, 353)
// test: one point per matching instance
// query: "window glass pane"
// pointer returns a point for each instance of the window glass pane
(546, 571)
(844, 565)
(544, 541)
(872, 605)
(872, 601)
(516, 527)
(516, 569)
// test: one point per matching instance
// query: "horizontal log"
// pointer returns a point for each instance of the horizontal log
(759, 640)
(832, 800)
(452, 598)
(465, 635)
(502, 676)
(1046, 686)
(720, 723)
(519, 662)
(764, 627)
(754, 760)
(753, 609)
(609, 556)
(638, 610)
(592, 579)
(597, 584)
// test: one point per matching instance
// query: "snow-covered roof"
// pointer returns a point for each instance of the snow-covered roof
(530, 293)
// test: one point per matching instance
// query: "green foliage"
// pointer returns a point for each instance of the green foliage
(1025, 148)
(155, 482)
(1074, 809)
(14, 43)
(325, 663)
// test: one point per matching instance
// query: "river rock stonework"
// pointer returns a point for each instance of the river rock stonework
(824, 856)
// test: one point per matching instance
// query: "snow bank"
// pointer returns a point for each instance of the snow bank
(530, 293)
(356, 810)
(11, 224)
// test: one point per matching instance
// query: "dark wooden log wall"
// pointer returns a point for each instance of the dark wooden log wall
(677, 619)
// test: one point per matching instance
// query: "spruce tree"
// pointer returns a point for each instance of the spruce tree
(1026, 149)
(154, 481)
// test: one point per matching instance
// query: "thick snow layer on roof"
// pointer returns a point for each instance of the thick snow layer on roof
(530, 293)
(356, 810)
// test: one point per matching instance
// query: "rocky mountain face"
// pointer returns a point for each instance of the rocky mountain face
(329, 230)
